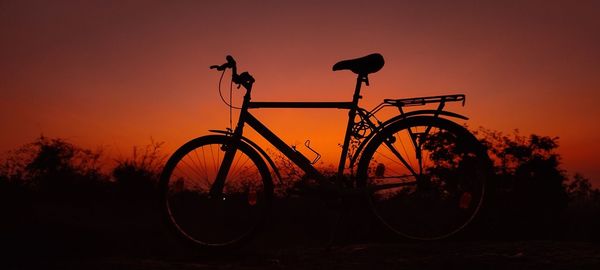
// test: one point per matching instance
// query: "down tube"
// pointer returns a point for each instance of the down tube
(294, 156)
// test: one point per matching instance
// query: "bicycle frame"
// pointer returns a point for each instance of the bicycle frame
(300, 160)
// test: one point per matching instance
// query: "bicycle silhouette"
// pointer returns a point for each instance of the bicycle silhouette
(423, 175)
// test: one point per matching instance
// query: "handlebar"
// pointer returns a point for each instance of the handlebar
(230, 64)
(245, 79)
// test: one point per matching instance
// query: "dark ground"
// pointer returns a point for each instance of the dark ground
(303, 243)
(423, 255)
(111, 234)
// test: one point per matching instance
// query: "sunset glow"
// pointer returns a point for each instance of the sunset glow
(118, 74)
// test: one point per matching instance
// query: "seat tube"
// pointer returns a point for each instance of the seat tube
(351, 114)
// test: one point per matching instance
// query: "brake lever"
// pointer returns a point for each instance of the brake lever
(243, 79)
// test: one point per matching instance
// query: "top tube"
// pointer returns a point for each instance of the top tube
(315, 105)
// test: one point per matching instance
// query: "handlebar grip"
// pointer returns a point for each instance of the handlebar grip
(230, 64)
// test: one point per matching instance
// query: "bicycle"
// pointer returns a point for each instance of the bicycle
(423, 174)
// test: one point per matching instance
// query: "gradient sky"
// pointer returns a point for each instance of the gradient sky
(117, 73)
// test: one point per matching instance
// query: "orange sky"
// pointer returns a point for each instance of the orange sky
(116, 73)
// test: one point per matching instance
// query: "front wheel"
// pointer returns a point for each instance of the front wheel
(424, 176)
(215, 219)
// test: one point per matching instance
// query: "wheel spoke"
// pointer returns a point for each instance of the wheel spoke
(399, 156)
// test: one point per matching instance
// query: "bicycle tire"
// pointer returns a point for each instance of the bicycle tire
(445, 189)
(215, 222)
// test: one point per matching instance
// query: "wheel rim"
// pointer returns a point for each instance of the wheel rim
(218, 219)
(430, 197)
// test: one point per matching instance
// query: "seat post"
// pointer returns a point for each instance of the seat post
(359, 80)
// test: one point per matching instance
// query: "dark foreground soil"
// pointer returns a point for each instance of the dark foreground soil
(422, 255)
(127, 234)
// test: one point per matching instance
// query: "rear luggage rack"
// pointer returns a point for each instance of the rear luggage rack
(410, 102)
(419, 101)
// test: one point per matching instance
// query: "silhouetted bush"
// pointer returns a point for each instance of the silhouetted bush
(581, 192)
(52, 191)
(528, 194)
(584, 209)
(137, 175)
(55, 167)
(59, 199)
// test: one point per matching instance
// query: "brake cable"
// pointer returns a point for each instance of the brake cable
(229, 104)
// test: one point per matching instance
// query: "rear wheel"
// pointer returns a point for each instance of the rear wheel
(424, 176)
(215, 219)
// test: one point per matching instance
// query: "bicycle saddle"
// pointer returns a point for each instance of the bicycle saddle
(363, 65)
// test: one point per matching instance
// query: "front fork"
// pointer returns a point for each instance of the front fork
(231, 147)
(216, 190)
